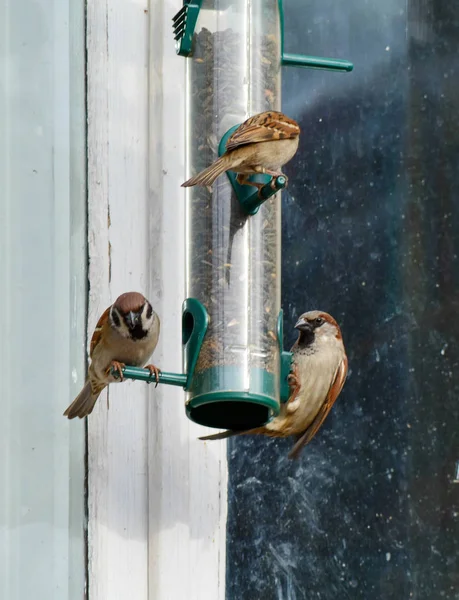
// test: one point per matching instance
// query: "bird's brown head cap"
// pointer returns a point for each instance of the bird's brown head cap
(129, 302)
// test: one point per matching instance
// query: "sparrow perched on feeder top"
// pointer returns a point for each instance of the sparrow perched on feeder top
(318, 373)
(126, 333)
(262, 144)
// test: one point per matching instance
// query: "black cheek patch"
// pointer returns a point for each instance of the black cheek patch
(149, 311)
(116, 319)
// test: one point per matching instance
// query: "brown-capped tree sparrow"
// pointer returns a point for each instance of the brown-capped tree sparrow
(262, 144)
(319, 370)
(126, 333)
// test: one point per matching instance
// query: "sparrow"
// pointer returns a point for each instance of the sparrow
(126, 333)
(317, 376)
(262, 144)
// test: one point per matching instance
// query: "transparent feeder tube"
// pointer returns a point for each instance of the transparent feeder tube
(233, 260)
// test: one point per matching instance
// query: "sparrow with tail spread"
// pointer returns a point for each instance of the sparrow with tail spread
(319, 370)
(262, 144)
(126, 333)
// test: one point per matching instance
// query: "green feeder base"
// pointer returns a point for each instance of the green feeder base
(232, 410)
(219, 398)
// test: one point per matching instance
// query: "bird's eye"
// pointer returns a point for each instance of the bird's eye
(319, 321)
(116, 319)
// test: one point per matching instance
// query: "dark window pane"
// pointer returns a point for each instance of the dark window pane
(370, 220)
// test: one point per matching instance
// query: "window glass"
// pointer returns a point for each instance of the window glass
(369, 226)
(42, 291)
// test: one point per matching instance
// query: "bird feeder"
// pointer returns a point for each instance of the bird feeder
(233, 260)
(235, 368)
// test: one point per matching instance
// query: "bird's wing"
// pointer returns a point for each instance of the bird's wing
(264, 127)
(333, 393)
(98, 330)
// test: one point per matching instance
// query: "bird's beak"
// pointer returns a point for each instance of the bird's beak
(131, 319)
(303, 325)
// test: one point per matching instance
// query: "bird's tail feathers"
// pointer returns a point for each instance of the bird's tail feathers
(231, 432)
(220, 436)
(84, 403)
(209, 175)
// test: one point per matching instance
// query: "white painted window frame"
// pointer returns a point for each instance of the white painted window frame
(157, 496)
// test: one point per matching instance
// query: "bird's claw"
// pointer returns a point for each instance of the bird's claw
(118, 367)
(274, 178)
(272, 184)
(294, 385)
(154, 371)
(292, 380)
